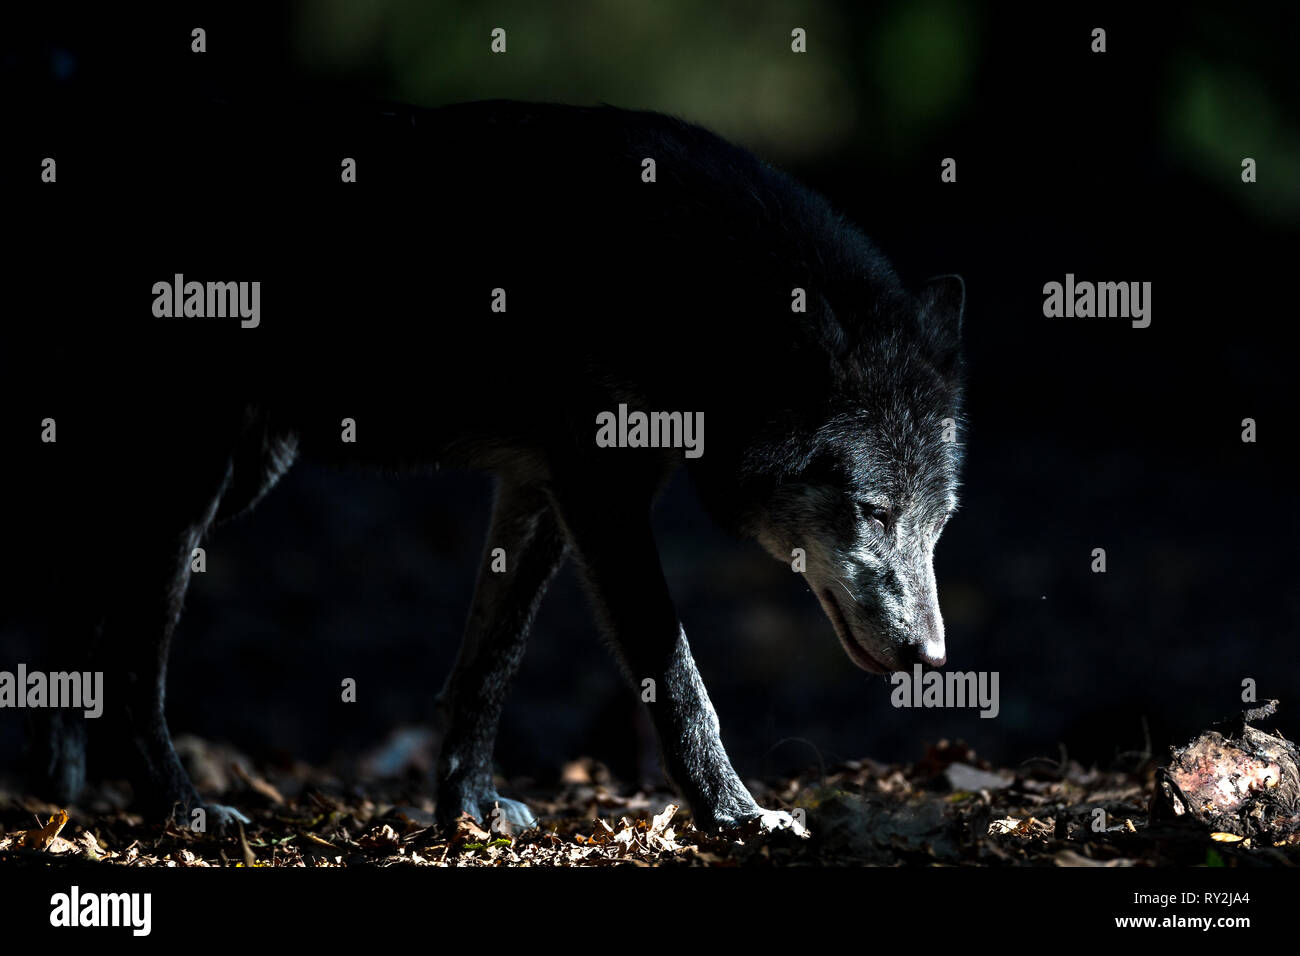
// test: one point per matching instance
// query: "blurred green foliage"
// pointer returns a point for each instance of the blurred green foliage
(727, 65)
(924, 58)
(1218, 116)
(891, 77)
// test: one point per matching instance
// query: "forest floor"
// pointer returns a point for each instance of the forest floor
(948, 808)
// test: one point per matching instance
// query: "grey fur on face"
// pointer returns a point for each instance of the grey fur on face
(869, 507)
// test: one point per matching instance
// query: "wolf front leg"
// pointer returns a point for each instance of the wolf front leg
(510, 587)
(620, 564)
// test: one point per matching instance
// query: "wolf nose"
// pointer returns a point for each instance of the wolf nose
(930, 653)
(927, 646)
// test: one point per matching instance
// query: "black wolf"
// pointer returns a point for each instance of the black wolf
(498, 277)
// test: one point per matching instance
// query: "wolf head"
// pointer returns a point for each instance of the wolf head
(868, 475)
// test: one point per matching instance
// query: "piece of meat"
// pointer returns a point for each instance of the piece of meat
(1235, 779)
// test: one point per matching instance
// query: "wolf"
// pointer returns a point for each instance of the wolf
(497, 279)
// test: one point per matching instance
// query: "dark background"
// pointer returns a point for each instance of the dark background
(1122, 166)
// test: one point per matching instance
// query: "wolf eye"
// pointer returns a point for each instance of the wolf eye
(871, 512)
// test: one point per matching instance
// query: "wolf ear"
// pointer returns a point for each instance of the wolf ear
(942, 302)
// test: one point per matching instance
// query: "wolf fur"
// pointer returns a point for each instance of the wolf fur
(829, 430)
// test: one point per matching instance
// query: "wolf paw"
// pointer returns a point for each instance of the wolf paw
(758, 821)
(511, 813)
(769, 821)
(216, 818)
(224, 817)
(493, 811)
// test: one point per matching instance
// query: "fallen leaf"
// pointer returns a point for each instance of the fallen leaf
(42, 838)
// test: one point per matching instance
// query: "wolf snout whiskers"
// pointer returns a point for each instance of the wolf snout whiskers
(926, 647)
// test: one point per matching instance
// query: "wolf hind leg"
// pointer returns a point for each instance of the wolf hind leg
(57, 737)
(147, 588)
(505, 602)
(56, 756)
